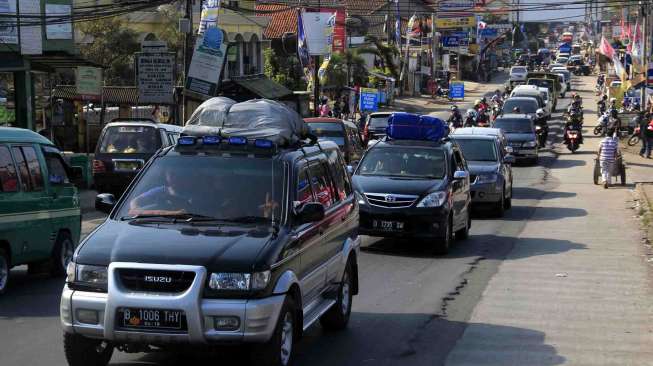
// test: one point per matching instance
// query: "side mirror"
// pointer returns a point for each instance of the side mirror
(350, 169)
(509, 159)
(310, 212)
(460, 174)
(104, 202)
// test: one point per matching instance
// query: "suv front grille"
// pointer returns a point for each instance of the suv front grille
(150, 280)
(389, 200)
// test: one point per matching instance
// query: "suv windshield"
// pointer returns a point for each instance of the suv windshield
(379, 121)
(406, 162)
(514, 125)
(130, 140)
(215, 187)
(328, 131)
(478, 149)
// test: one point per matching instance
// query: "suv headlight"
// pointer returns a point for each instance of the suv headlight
(435, 199)
(360, 198)
(239, 281)
(486, 178)
(94, 277)
(530, 144)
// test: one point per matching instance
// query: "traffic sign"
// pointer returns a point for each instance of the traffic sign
(369, 99)
(457, 90)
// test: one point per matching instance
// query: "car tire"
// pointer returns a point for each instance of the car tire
(500, 206)
(507, 201)
(443, 244)
(5, 269)
(279, 350)
(82, 351)
(463, 233)
(62, 254)
(337, 317)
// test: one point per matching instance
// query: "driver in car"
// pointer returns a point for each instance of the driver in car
(167, 199)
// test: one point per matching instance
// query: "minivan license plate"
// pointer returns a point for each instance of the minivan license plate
(388, 225)
(151, 319)
(128, 166)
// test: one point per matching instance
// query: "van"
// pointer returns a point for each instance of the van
(124, 146)
(40, 220)
(343, 133)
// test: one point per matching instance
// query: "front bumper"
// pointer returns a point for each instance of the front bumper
(524, 152)
(418, 222)
(486, 192)
(258, 317)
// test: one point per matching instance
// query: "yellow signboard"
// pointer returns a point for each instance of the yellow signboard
(462, 22)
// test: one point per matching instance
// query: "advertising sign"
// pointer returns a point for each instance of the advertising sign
(209, 15)
(489, 33)
(445, 5)
(59, 29)
(450, 42)
(206, 65)
(369, 99)
(8, 28)
(156, 77)
(318, 28)
(457, 90)
(31, 38)
(89, 82)
(460, 22)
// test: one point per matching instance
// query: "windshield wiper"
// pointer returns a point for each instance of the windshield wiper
(173, 218)
(247, 219)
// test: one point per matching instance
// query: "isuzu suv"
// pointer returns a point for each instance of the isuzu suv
(217, 241)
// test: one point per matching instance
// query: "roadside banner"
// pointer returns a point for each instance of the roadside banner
(460, 22)
(8, 23)
(58, 29)
(206, 65)
(88, 81)
(209, 15)
(318, 30)
(369, 99)
(156, 77)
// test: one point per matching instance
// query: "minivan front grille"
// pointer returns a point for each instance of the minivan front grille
(389, 200)
(149, 280)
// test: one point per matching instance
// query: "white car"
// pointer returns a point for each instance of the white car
(518, 73)
(544, 92)
(532, 91)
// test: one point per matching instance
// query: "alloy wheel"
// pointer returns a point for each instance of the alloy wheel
(286, 338)
(344, 293)
(4, 272)
(66, 253)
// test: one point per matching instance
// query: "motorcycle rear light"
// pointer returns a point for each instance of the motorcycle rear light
(98, 167)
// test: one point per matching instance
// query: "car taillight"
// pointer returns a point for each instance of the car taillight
(98, 166)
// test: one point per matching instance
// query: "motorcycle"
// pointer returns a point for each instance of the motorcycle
(573, 139)
(482, 120)
(455, 120)
(600, 109)
(601, 127)
(635, 137)
(542, 135)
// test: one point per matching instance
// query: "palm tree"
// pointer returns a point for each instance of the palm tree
(385, 53)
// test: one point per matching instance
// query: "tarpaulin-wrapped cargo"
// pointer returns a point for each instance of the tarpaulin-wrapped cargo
(253, 119)
(408, 126)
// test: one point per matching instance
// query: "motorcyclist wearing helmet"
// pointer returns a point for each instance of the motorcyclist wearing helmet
(614, 123)
(541, 126)
(470, 118)
(455, 118)
(574, 122)
(516, 110)
(601, 105)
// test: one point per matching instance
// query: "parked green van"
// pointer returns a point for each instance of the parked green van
(40, 220)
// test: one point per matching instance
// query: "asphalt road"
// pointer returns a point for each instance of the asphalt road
(411, 309)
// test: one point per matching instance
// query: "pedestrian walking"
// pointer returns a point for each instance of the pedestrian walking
(325, 111)
(649, 139)
(345, 107)
(642, 122)
(608, 151)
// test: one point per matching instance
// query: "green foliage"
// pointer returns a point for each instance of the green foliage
(113, 46)
(343, 64)
(283, 70)
(387, 54)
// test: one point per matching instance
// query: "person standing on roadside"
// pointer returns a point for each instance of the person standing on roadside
(642, 122)
(345, 107)
(649, 139)
(608, 151)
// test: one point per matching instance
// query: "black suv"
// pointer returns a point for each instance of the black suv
(217, 241)
(414, 189)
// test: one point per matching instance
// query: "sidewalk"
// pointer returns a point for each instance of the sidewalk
(575, 289)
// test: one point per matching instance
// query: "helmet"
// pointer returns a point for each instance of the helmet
(605, 97)
(483, 100)
(516, 110)
(454, 107)
(471, 113)
(577, 97)
(614, 113)
(613, 100)
(539, 113)
(495, 98)
(477, 102)
(573, 95)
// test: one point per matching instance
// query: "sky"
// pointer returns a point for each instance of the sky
(569, 12)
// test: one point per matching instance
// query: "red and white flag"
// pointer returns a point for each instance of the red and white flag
(482, 25)
(606, 49)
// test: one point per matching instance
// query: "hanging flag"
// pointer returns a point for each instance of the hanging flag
(397, 25)
(410, 29)
(605, 48)
(328, 31)
(649, 73)
(302, 48)
(482, 25)
(619, 68)
(209, 15)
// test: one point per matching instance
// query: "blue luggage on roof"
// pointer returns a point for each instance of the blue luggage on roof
(409, 126)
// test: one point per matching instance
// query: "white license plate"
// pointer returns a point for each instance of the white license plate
(388, 225)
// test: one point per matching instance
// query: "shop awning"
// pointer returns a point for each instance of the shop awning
(52, 60)
(125, 95)
(262, 86)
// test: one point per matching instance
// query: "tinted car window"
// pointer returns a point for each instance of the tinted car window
(8, 177)
(477, 149)
(329, 131)
(31, 161)
(408, 162)
(519, 69)
(381, 121)
(510, 125)
(56, 170)
(304, 192)
(321, 184)
(130, 140)
(22, 169)
(524, 105)
(207, 185)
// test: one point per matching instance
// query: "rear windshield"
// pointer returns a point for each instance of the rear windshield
(404, 162)
(509, 125)
(519, 69)
(524, 105)
(130, 140)
(478, 149)
(210, 186)
(381, 121)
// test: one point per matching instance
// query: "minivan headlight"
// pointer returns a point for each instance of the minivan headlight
(486, 178)
(530, 144)
(435, 199)
(227, 281)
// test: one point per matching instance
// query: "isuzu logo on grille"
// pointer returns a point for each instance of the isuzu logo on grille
(158, 279)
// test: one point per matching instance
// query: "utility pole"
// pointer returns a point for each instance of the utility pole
(644, 7)
(434, 48)
(187, 53)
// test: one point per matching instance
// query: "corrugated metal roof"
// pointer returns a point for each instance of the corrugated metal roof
(262, 86)
(111, 94)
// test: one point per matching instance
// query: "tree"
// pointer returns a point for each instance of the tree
(283, 70)
(342, 65)
(386, 55)
(170, 33)
(111, 45)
